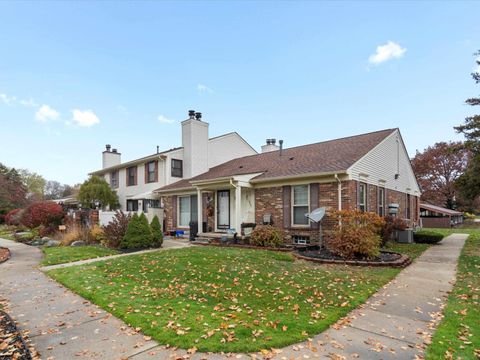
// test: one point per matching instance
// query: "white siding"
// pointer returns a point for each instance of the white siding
(380, 165)
(226, 148)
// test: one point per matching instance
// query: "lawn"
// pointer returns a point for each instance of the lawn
(458, 335)
(412, 250)
(66, 254)
(224, 299)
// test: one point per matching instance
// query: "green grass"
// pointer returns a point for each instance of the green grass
(224, 299)
(5, 233)
(458, 335)
(412, 250)
(66, 254)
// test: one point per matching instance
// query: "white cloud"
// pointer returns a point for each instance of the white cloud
(204, 89)
(28, 102)
(8, 100)
(164, 120)
(391, 50)
(84, 118)
(45, 113)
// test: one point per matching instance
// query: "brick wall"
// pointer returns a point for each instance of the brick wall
(168, 213)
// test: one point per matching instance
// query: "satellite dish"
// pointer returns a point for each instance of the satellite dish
(316, 215)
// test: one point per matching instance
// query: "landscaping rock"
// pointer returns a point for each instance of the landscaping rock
(52, 243)
(46, 238)
(78, 243)
(40, 242)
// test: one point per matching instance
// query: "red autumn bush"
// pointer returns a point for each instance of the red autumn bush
(46, 213)
(356, 235)
(13, 217)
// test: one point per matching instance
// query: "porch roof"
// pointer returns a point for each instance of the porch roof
(327, 157)
(439, 209)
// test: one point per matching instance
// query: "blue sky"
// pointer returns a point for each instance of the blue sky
(75, 76)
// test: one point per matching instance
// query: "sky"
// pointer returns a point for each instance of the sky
(75, 76)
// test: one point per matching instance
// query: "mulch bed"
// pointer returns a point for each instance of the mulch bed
(4, 254)
(244, 246)
(385, 259)
(12, 345)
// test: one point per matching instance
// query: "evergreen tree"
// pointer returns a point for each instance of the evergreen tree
(157, 234)
(138, 235)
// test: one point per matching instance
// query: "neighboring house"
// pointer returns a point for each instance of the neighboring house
(135, 180)
(438, 217)
(279, 186)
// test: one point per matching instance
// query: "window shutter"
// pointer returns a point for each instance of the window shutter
(314, 201)
(135, 180)
(287, 206)
(156, 170)
(145, 166)
(174, 211)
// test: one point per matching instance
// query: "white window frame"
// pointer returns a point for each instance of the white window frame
(178, 211)
(382, 205)
(292, 206)
(364, 197)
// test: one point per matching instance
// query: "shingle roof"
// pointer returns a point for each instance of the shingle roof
(439, 209)
(323, 157)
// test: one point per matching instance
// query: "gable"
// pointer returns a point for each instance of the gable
(379, 166)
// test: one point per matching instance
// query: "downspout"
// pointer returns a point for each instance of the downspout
(231, 183)
(339, 192)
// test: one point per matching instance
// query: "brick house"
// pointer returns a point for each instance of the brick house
(366, 172)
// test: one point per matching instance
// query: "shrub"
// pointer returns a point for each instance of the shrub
(157, 235)
(116, 229)
(427, 237)
(95, 235)
(357, 235)
(72, 234)
(266, 235)
(392, 223)
(46, 230)
(138, 235)
(45, 213)
(13, 217)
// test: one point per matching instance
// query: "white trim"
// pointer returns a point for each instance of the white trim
(360, 183)
(178, 211)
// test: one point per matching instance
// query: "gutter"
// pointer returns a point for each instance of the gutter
(300, 176)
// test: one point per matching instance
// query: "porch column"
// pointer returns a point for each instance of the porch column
(200, 210)
(238, 209)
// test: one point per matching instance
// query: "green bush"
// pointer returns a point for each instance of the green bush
(427, 237)
(266, 235)
(157, 235)
(138, 235)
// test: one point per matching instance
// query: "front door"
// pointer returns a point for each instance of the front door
(223, 209)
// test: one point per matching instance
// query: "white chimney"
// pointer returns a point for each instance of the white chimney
(271, 145)
(195, 145)
(110, 157)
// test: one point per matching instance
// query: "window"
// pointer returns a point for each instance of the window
(151, 172)
(381, 201)
(114, 179)
(362, 197)
(132, 176)
(150, 203)
(183, 211)
(300, 240)
(300, 204)
(177, 168)
(132, 205)
(408, 206)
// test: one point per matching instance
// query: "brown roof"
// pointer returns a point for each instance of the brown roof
(323, 157)
(439, 209)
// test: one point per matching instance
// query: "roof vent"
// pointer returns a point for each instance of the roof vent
(198, 116)
(114, 151)
(191, 114)
(108, 147)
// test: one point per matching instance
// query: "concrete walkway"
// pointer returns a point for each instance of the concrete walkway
(392, 325)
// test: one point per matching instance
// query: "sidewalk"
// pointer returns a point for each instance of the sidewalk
(392, 325)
